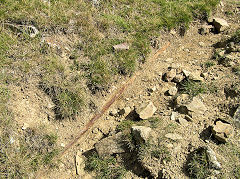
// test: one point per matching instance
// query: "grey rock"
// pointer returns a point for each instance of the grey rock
(172, 91)
(220, 24)
(110, 145)
(186, 73)
(173, 136)
(212, 159)
(196, 106)
(173, 116)
(146, 111)
(236, 117)
(79, 163)
(183, 121)
(222, 131)
(141, 133)
(123, 46)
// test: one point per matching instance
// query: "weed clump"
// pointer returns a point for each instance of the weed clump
(198, 166)
(193, 88)
(104, 168)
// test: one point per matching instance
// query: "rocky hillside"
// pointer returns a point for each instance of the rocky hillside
(127, 89)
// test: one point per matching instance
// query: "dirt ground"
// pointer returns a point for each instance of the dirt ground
(189, 52)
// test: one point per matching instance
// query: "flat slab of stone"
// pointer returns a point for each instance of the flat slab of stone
(146, 111)
(173, 136)
(196, 106)
(123, 46)
(110, 145)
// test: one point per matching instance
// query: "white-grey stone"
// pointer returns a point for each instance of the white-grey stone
(173, 136)
(186, 73)
(25, 126)
(183, 121)
(123, 46)
(32, 31)
(141, 133)
(196, 106)
(212, 159)
(236, 117)
(222, 131)
(205, 29)
(220, 24)
(146, 111)
(110, 145)
(79, 163)
(172, 91)
(173, 116)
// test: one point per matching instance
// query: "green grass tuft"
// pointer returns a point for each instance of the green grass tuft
(104, 168)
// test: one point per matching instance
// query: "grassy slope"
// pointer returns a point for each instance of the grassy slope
(98, 27)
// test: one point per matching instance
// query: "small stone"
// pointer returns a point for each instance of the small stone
(79, 163)
(173, 32)
(141, 133)
(220, 24)
(173, 91)
(32, 31)
(147, 111)
(186, 73)
(25, 126)
(62, 145)
(211, 156)
(127, 110)
(169, 146)
(173, 116)
(95, 131)
(196, 107)
(110, 145)
(183, 121)
(222, 131)
(182, 99)
(168, 76)
(204, 75)
(173, 136)
(201, 44)
(236, 117)
(123, 46)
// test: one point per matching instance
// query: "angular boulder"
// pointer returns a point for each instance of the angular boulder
(141, 133)
(110, 145)
(222, 131)
(146, 111)
(220, 24)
